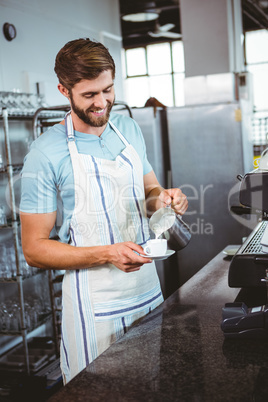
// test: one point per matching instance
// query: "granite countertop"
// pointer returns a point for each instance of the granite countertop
(179, 353)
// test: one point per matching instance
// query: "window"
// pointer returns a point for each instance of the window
(158, 71)
(256, 45)
(257, 63)
(155, 71)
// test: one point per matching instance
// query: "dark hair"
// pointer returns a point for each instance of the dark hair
(82, 59)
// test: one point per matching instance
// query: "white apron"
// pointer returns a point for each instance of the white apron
(100, 304)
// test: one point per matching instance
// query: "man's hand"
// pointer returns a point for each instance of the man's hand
(157, 197)
(175, 198)
(123, 256)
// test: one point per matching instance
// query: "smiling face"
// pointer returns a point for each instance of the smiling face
(91, 102)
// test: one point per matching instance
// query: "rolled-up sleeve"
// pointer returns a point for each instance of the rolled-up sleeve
(38, 184)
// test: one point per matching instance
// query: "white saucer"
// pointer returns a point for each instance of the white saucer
(159, 257)
(231, 250)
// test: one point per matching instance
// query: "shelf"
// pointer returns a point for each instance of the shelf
(28, 116)
(41, 352)
(46, 317)
(58, 293)
(10, 223)
(9, 280)
(39, 386)
(52, 372)
(58, 279)
(16, 168)
(17, 278)
(5, 226)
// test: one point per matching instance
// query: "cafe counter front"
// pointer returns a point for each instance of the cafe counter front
(179, 352)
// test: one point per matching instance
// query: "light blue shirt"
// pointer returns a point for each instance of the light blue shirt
(47, 182)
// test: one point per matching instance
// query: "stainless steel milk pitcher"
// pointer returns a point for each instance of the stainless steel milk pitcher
(166, 224)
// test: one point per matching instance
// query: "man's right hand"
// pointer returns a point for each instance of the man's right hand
(123, 256)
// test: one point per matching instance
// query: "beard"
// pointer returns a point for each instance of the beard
(85, 116)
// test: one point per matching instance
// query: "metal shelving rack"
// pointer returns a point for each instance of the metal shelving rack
(13, 224)
(15, 227)
(25, 339)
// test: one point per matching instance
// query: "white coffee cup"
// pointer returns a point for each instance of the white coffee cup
(156, 247)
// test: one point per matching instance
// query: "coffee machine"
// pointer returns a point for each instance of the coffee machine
(249, 266)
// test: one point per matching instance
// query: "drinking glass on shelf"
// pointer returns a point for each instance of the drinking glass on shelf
(4, 318)
(12, 104)
(27, 104)
(14, 322)
(41, 101)
(11, 259)
(2, 102)
(1, 161)
(33, 316)
(17, 103)
(27, 316)
(5, 273)
(3, 218)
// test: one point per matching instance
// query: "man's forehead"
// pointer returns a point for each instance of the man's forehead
(103, 81)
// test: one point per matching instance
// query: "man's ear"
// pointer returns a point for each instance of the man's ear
(63, 90)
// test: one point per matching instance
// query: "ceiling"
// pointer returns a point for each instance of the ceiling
(255, 16)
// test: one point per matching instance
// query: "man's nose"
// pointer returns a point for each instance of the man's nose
(100, 101)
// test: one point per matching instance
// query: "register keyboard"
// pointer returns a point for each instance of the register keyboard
(249, 264)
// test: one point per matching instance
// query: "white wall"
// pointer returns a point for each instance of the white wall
(43, 27)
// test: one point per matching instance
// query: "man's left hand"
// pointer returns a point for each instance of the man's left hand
(175, 198)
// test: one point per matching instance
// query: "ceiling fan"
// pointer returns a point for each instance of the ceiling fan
(163, 31)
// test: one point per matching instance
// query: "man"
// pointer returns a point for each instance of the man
(96, 166)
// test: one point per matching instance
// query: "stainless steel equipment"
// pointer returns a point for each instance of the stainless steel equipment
(249, 266)
(153, 125)
(209, 146)
(254, 190)
(167, 225)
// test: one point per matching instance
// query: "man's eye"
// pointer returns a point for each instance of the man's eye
(107, 90)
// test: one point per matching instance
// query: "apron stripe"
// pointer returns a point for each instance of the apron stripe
(65, 352)
(124, 325)
(104, 305)
(82, 318)
(129, 308)
(88, 312)
(135, 196)
(103, 200)
(72, 236)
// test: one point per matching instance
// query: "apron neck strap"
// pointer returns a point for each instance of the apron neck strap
(122, 138)
(69, 128)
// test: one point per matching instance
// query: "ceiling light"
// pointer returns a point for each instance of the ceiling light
(141, 17)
